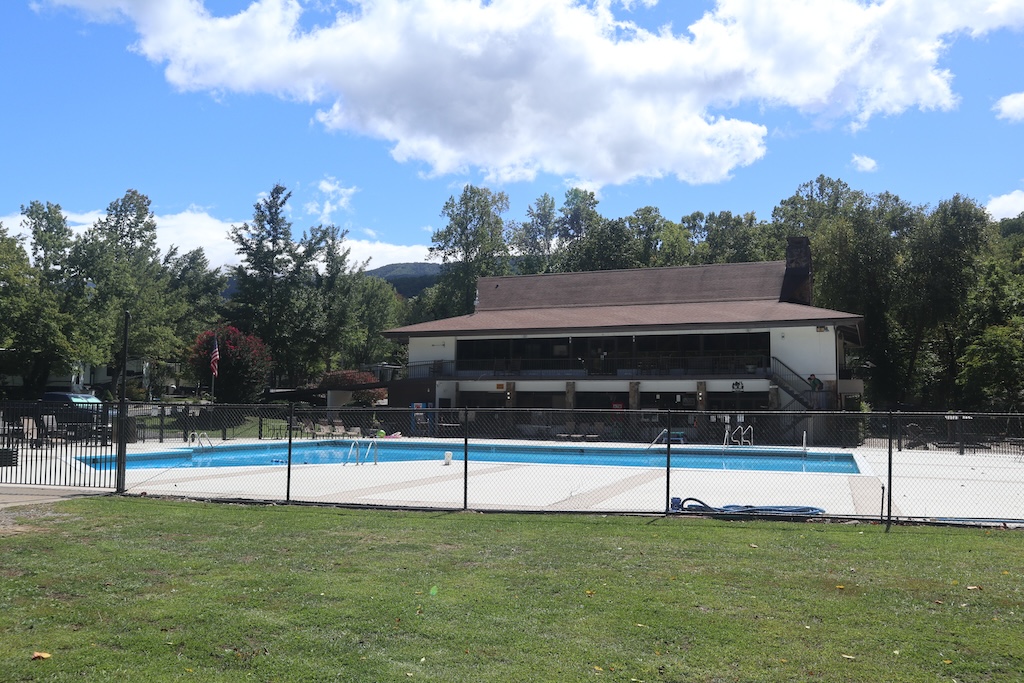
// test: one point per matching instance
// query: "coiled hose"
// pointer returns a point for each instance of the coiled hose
(696, 505)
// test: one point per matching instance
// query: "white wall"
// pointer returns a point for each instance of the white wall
(426, 349)
(806, 350)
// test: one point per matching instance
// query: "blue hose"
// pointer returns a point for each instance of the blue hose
(695, 505)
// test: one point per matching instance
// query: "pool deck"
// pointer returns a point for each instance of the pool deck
(927, 484)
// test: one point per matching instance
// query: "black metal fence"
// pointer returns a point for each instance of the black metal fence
(886, 466)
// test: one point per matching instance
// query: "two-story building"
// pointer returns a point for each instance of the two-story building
(726, 337)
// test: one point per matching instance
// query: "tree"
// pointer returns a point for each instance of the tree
(15, 293)
(532, 241)
(992, 376)
(243, 368)
(936, 275)
(118, 268)
(729, 238)
(54, 326)
(333, 294)
(376, 307)
(275, 285)
(675, 245)
(191, 279)
(471, 246)
(648, 226)
(606, 245)
(577, 215)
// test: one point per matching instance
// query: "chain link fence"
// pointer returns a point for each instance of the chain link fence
(887, 466)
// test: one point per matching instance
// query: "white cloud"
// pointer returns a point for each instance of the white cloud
(1007, 205)
(195, 228)
(335, 197)
(381, 253)
(864, 164)
(1010, 107)
(573, 88)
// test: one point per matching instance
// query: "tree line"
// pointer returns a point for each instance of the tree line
(299, 308)
(941, 288)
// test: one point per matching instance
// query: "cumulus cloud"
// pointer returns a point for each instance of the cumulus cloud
(333, 196)
(195, 227)
(513, 88)
(1011, 107)
(864, 164)
(1007, 205)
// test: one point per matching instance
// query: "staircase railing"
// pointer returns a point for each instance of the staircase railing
(799, 388)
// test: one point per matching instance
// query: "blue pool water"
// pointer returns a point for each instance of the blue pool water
(779, 459)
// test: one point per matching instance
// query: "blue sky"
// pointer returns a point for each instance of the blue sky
(373, 113)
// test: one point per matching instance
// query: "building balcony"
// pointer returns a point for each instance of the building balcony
(560, 368)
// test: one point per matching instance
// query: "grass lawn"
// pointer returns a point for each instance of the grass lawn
(137, 589)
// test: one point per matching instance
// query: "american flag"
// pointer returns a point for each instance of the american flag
(214, 358)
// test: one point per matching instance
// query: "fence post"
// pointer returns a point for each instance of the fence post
(465, 459)
(959, 418)
(888, 511)
(668, 464)
(122, 415)
(291, 422)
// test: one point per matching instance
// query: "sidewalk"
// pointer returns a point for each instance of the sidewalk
(13, 494)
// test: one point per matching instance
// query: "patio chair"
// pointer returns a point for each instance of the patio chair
(51, 430)
(30, 432)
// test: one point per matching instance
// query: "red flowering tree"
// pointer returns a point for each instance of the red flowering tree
(243, 367)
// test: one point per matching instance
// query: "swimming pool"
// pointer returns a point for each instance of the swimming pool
(344, 451)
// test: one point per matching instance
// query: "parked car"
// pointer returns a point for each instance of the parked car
(80, 415)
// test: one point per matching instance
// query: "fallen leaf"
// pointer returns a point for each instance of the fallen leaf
(784, 661)
(947, 661)
(597, 668)
(849, 657)
(840, 587)
(41, 655)
(753, 545)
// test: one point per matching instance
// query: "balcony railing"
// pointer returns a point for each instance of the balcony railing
(694, 366)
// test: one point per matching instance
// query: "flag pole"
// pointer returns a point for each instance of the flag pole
(214, 367)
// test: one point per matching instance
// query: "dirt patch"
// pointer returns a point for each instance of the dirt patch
(18, 520)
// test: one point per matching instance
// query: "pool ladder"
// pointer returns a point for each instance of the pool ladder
(353, 452)
(741, 436)
(197, 439)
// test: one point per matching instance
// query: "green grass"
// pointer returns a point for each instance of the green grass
(159, 590)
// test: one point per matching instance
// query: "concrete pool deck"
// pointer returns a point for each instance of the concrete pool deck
(927, 484)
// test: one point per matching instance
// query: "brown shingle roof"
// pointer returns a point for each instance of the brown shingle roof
(648, 317)
(739, 295)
